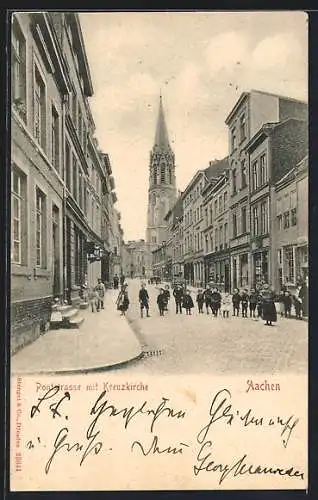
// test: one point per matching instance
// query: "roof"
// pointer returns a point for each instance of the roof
(161, 137)
(292, 173)
(216, 168)
(244, 95)
(267, 128)
(176, 210)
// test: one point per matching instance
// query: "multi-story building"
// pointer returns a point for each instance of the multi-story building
(250, 113)
(290, 220)
(139, 259)
(162, 183)
(216, 232)
(271, 152)
(59, 177)
(193, 222)
(174, 218)
(160, 258)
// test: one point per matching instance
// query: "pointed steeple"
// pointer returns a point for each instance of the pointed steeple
(161, 137)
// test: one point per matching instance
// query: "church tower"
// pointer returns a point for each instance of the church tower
(162, 183)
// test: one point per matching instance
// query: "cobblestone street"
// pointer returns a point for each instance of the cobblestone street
(201, 343)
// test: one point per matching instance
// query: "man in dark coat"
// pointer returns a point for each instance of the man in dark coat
(116, 282)
(187, 302)
(144, 300)
(303, 296)
(161, 301)
(236, 299)
(215, 301)
(244, 302)
(178, 296)
(208, 298)
(167, 296)
(200, 300)
(253, 302)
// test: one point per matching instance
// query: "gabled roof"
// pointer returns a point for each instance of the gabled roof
(216, 168)
(244, 95)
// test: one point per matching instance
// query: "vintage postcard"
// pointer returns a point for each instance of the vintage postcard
(159, 251)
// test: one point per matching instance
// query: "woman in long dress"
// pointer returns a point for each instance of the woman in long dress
(269, 313)
(122, 301)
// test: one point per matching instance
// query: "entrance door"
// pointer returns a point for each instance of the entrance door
(56, 251)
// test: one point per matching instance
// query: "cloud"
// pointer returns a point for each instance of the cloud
(225, 50)
(277, 51)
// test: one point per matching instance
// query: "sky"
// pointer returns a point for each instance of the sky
(201, 62)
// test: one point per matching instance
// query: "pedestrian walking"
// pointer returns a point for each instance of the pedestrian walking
(144, 300)
(161, 301)
(287, 304)
(178, 296)
(100, 289)
(123, 300)
(167, 296)
(236, 299)
(215, 301)
(187, 302)
(252, 302)
(116, 282)
(244, 302)
(122, 280)
(297, 305)
(208, 298)
(93, 299)
(200, 300)
(269, 313)
(303, 295)
(226, 305)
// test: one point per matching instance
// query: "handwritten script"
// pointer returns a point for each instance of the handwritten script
(159, 421)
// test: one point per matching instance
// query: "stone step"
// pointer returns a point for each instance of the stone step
(65, 308)
(56, 319)
(84, 305)
(76, 322)
(76, 301)
(70, 314)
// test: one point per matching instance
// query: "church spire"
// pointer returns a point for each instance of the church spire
(161, 137)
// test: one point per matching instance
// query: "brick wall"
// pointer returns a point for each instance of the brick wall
(28, 321)
(289, 146)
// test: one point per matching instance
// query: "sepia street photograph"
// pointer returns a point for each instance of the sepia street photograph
(159, 193)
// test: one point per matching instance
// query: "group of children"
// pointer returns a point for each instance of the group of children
(286, 301)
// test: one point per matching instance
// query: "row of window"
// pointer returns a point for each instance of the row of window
(162, 175)
(19, 226)
(260, 219)
(289, 263)
(194, 194)
(19, 210)
(193, 216)
(218, 239)
(240, 133)
(287, 219)
(220, 206)
(40, 110)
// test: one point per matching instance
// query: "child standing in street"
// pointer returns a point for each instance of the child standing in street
(187, 302)
(161, 301)
(200, 301)
(236, 299)
(287, 304)
(93, 299)
(253, 302)
(244, 301)
(226, 305)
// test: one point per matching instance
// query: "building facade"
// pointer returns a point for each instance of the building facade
(250, 113)
(162, 183)
(174, 254)
(216, 232)
(59, 179)
(139, 259)
(271, 152)
(290, 206)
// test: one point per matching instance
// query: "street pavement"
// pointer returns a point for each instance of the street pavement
(104, 340)
(198, 344)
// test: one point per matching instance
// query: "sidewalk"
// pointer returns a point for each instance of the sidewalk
(104, 340)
